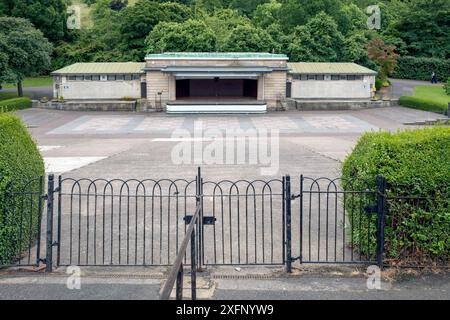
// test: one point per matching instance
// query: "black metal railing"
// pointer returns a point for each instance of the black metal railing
(282, 221)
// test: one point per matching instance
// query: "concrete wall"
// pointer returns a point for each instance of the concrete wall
(328, 89)
(159, 82)
(87, 105)
(96, 89)
(274, 88)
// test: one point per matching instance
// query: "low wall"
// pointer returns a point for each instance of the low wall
(87, 105)
(308, 105)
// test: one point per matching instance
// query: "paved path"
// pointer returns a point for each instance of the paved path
(304, 287)
(34, 92)
(404, 87)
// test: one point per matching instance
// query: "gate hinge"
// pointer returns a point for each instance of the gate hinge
(295, 196)
(45, 197)
(296, 258)
(206, 220)
(54, 244)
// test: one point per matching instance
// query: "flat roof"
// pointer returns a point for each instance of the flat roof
(216, 56)
(102, 68)
(328, 68)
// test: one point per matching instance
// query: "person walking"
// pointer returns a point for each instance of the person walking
(433, 77)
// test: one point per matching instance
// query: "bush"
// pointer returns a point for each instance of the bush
(415, 164)
(422, 104)
(418, 68)
(14, 104)
(21, 165)
(447, 87)
(378, 83)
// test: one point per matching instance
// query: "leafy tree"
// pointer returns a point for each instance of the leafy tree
(350, 19)
(245, 6)
(354, 48)
(318, 40)
(223, 23)
(384, 56)
(49, 16)
(298, 12)
(425, 28)
(137, 21)
(246, 38)
(24, 51)
(192, 35)
(118, 5)
(267, 14)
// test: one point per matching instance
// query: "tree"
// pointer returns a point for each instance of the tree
(267, 13)
(49, 16)
(384, 56)
(192, 35)
(298, 12)
(425, 28)
(118, 5)
(137, 21)
(247, 38)
(24, 51)
(318, 40)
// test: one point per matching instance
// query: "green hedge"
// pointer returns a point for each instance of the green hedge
(21, 167)
(418, 68)
(15, 104)
(416, 165)
(422, 104)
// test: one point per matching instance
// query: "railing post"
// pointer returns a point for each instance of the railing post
(179, 288)
(288, 225)
(193, 268)
(200, 219)
(38, 243)
(381, 213)
(58, 252)
(49, 234)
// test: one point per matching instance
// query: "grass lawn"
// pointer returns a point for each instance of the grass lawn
(433, 93)
(32, 82)
(11, 95)
(428, 98)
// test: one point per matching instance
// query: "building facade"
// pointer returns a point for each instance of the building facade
(213, 82)
(201, 81)
(315, 80)
(99, 81)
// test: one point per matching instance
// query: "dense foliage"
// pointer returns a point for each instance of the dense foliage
(13, 104)
(21, 166)
(447, 87)
(319, 30)
(421, 68)
(415, 164)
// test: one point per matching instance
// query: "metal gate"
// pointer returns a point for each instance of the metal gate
(115, 222)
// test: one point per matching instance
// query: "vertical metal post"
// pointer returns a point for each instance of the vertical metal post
(193, 268)
(38, 246)
(179, 288)
(58, 255)
(200, 219)
(301, 219)
(48, 259)
(381, 213)
(288, 225)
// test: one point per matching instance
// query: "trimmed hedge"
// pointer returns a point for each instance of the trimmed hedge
(21, 166)
(15, 104)
(419, 68)
(416, 165)
(422, 104)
